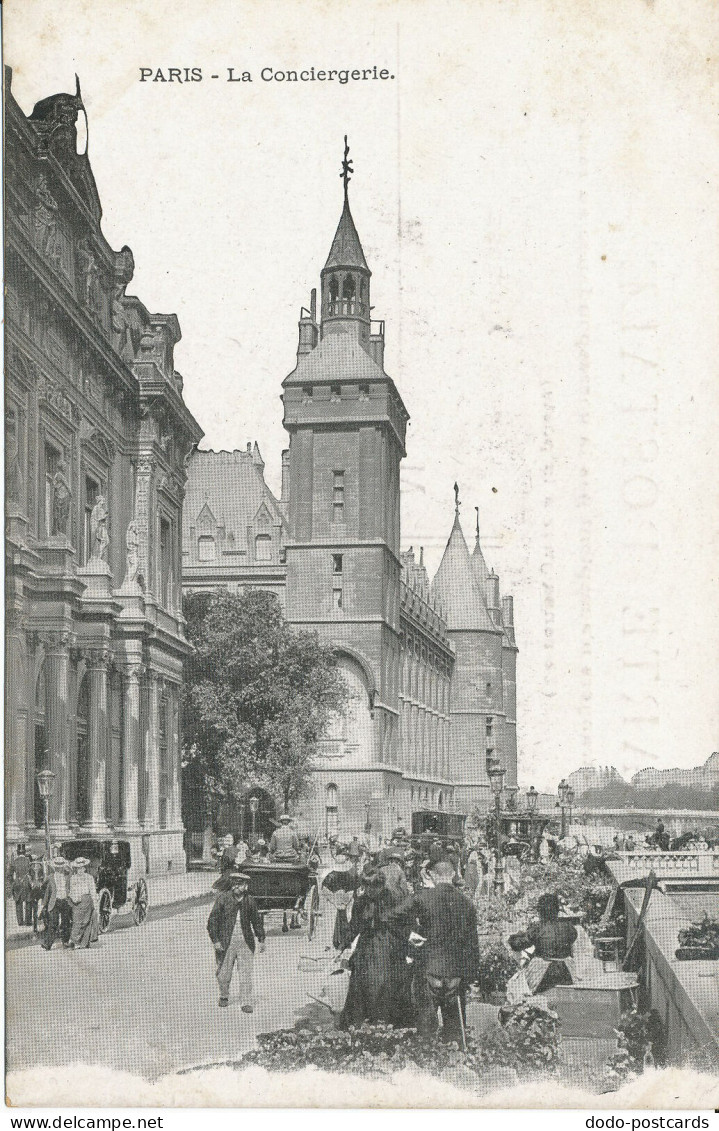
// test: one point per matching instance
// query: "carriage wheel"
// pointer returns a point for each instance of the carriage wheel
(313, 913)
(104, 913)
(140, 902)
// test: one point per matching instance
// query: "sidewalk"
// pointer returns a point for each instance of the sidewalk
(167, 894)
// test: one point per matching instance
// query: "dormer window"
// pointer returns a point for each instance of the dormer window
(206, 549)
(307, 392)
(263, 548)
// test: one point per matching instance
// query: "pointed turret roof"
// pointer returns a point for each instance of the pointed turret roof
(455, 585)
(346, 250)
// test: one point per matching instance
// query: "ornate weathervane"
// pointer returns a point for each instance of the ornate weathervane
(347, 169)
(477, 528)
(456, 499)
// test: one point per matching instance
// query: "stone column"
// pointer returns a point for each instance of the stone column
(152, 753)
(130, 747)
(97, 738)
(175, 756)
(57, 668)
(15, 726)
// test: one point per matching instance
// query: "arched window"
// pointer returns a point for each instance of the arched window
(334, 294)
(440, 800)
(348, 294)
(263, 548)
(363, 297)
(331, 820)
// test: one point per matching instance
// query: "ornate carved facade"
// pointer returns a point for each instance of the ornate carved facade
(97, 442)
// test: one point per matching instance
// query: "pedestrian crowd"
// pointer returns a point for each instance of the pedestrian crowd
(58, 897)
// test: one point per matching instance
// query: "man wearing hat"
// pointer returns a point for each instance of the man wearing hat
(233, 925)
(19, 882)
(56, 906)
(284, 845)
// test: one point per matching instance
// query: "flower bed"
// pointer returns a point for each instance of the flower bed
(527, 1041)
(700, 940)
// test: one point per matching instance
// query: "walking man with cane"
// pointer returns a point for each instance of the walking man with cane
(444, 922)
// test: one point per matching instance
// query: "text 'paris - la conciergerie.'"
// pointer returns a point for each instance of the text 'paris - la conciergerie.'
(341, 75)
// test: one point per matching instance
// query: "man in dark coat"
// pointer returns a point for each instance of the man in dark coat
(449, 956)
(20, 885)
(233, 925)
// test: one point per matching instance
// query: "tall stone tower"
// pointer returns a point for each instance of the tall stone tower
(346, 423)
(483, 705)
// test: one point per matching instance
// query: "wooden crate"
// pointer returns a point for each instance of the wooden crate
(590, 1011)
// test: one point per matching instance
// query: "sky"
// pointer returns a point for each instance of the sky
(535, 191)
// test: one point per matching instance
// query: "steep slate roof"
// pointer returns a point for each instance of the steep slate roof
(455, 585)
(339, 356)
(232, 486)
(346, 250)
(480, 566)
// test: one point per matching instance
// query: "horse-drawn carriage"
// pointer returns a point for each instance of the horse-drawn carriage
(110, 870)
(440, 824)
(287, 888)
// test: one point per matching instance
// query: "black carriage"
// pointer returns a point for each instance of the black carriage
(287, 888)
(437, 823)
(520, 832)
(110, 871)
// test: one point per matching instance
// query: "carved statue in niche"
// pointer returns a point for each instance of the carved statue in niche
(126, 326)
(90, 273)
(132, 556)
(61, 499)
(99, 538)
(44, 219)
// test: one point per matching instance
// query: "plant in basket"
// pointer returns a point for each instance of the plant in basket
(496, 967)
(700, 940)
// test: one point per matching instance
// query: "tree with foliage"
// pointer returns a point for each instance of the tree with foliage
(258, 696)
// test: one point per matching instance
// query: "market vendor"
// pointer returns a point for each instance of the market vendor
(552, 939)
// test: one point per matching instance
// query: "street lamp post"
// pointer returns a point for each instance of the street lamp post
(45, 784)
(532, 799)
(566, 800)
(254, 806)
(496, 781)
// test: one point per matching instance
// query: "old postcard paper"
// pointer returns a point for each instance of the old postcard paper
(361, 614)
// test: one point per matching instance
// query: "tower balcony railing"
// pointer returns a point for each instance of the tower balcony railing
(346, 306)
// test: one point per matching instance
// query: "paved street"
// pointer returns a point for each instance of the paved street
(145, 999)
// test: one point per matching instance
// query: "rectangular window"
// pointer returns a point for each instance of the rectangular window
(92, 490)
(337, 597)
(364, 389)
(338, 496)
(307, 392)
(337, 563)
(335, 392)
(488, 728)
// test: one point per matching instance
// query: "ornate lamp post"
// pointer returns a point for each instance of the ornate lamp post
(566, 796)
(45, 784)
(496, 781)
(254, 806)
(532, 799)
(570, 803)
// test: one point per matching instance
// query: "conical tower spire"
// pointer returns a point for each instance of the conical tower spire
(346, 276)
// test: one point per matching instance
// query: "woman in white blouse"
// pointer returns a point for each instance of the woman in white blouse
(82, 894)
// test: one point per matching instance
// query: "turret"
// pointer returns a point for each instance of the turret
(345, 275)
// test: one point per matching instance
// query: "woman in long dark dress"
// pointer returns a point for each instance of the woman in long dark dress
(379, 988)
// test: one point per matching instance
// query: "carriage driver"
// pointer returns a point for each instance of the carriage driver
(284, 845)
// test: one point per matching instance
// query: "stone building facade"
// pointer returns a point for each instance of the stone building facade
(431, 666)
(97, 442)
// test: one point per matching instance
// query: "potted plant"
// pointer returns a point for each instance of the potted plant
(496, 967)
(700, 940)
